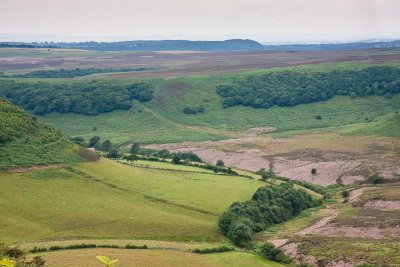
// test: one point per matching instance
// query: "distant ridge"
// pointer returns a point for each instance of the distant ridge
(142, 45)
(334, 46)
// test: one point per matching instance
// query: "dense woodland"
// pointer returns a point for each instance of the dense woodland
(270, 205)
(84, 97)
(290, 88)
(71, 73)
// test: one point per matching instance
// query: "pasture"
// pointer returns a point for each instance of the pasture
(106, 199)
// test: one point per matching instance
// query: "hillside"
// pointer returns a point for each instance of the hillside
(228, 45)
(25, 141)
(106, 200)
(164, 118)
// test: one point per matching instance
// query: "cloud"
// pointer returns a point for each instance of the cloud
(264, 20)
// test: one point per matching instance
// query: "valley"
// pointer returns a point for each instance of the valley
(68, 199)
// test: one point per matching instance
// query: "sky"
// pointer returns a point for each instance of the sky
(267, 21)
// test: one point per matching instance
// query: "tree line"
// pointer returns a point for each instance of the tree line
(290, 88)
(83, 97)
(63, 73)
(269, 205)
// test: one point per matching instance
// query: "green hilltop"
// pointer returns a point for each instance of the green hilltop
(25, 141)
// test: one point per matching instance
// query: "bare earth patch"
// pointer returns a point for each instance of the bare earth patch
(279, 242)
(349, 179)
(383, 205)
(352, 232)
(32, 168)
(327, 172)
(321, 223)
(355, 195)
(338, 159)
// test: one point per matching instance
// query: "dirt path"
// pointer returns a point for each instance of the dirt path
(323, 222)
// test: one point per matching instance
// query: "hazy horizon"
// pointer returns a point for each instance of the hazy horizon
(266, 21)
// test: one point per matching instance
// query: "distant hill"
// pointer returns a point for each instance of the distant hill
(228, 45)
(338, 46)
(24, 141)
(142, 45)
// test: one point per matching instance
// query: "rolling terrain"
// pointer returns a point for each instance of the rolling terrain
(349, 144)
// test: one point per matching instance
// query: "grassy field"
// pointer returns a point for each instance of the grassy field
(157, 123)
(166, 166)
(386, 125)
(87, 257)
(110, 200)
(24, 141)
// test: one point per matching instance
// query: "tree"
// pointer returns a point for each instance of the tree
(241, 233)
(220, 163)
(313, 171)
(163, 153)
(176, 159)
(132, 157)
(318, 117)
(113, 154)
(106, 146)
(135, 148)
(93, 141)
(269, 251)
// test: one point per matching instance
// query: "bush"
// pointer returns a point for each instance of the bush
(193, 110)
(220, 163)
(135, 247)
(213, 250)
(269, 205)
(269, 251)
(364, 264)
(113, 154)
(313, 171)
(345, 194)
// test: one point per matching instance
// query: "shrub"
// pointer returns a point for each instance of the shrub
(364, 264)
(313, 171)
(269, 251)
(345, 194)
(213, 250)
(220, 163)
(193, 110)
(269, 205)
(113, 154)
(135, 247)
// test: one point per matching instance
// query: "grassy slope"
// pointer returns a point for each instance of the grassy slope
(109, 200)
(87, 257)
(162, 121)
(29, 142)
(387, 125)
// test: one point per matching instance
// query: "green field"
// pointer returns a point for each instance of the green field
(110, 200)
(155, 123)
(24, 141)
(168, 258)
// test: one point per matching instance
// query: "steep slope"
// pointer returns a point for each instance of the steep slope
(24, 141)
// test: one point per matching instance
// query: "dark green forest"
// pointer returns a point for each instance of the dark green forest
(290, 88)
(269, 205)
(71, 73)
(84, 97)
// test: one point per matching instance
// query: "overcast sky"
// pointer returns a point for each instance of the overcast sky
(262, 20)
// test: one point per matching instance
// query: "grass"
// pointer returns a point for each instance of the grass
(25, 142)
(87, 257)
(166, 166)
(386, 125)
(162, 121)
(110, 200)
